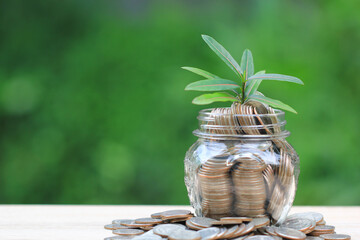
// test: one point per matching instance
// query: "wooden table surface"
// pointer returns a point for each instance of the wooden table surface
(53, 222)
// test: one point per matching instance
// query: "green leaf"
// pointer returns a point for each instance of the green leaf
(214, 97)
(247, 64)
(217, 84)
(251, 86)
(272, 102)
(201, 72)
(223, 54)
(277, 77)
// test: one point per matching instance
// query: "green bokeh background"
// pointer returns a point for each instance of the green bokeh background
(92, 106)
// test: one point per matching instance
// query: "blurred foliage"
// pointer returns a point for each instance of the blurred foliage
(92, 103)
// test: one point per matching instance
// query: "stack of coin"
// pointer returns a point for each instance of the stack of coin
(249, 186)
(215, 185)
(223, 121)
(243, 115)
(299, 226)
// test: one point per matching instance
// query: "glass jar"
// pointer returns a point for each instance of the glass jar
(241, 165)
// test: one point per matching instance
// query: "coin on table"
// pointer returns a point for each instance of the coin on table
(150, 235)
(249, 227)
(176, 220)
(184, 235)
(172, 214)
(209, 233)
(165, 229)
(133, 224)
(230, 232)
(289, 233)
(121, 221)
(323, 229)
(301, 224)
(119, 237)
(156, 215)
(114, 226)
(148, 220)
(261, 222)
(240, 231)
(128, 232)
(270, 230)
(318, 217)
(260, 237)
(202, 222)
(313, 238)
(335, 237)
(192, 226)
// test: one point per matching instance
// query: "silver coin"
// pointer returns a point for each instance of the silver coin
(114, 226)
(128, 232)
(260, 237)
(335, 237)
(148, 236)
(148, 220)
(120, 221)
(119, 237)
(165, 230)
(261, 222)
(318, 217)
(300, 224)
(313, 238)
(209, 233)
(290, 233)
(203, 222)
(184, 235)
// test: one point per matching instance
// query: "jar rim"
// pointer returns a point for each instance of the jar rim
(221, 123)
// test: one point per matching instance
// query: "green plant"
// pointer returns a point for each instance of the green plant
(245, 88)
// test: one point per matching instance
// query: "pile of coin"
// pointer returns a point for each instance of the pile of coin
(182, 225)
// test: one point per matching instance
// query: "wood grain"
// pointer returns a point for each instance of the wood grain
(55, 222)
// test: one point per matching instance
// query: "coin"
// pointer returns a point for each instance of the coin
(184, 235)
(173, 214)
(202, 222)
(133, 224)
(322, 229)
(258, 237)
(114, 226)
(192, 226)
(165, 229)
(148, 236)
(318, 217)
(270, 230)
(335, 237)
(128, 232)
(230, 232)
(261, 222)
(120, 221)
(209, 233)
(301, 224)
(289, 233)
(313, 238)
(119, 237)
(249, 227)
(148, 220)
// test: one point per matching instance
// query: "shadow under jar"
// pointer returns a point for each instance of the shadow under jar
(241, 164)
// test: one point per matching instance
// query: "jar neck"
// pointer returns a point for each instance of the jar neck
(241, 123)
